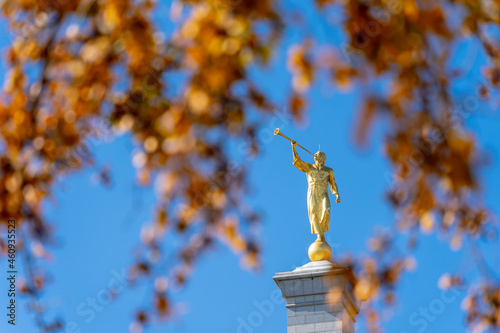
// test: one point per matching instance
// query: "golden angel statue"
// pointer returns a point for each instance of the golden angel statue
(319, 177)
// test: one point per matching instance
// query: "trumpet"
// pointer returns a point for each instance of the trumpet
(277, 132)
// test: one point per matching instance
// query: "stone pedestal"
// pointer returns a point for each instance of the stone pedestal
(319, 298)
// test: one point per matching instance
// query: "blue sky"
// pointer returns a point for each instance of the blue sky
(98, 228)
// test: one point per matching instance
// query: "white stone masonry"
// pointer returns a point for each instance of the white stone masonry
(305, 291)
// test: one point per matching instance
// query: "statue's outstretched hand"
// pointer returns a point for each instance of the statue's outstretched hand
(294, 143)
(338, 199)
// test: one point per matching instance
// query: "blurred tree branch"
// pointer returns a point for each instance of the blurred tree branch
(109, 61)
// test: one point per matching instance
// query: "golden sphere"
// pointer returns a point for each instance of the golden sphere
(319, 250)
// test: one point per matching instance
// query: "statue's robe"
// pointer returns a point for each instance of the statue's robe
(318, 202)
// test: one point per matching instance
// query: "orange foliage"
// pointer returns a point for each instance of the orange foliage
(107, 62)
